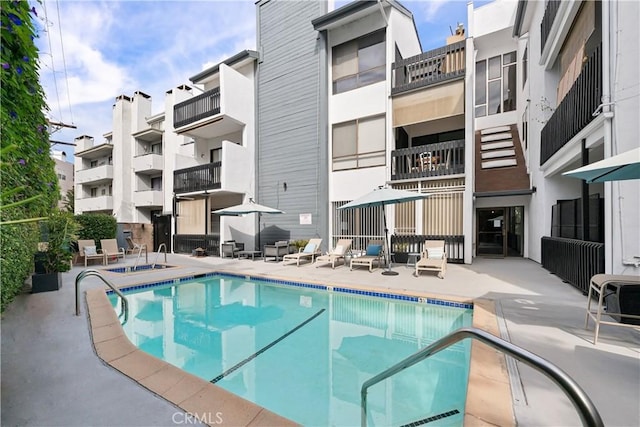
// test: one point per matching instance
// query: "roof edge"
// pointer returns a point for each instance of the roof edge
(240, 56)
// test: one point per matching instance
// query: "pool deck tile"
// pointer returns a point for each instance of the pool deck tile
(188, 386)
(493, 407)
(138, 365)
(107, 332)
(162, 380)
(268, 419)
(115, 348)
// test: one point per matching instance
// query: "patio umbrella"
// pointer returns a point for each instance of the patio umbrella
(616, 168)
(248, 208)
(383, 196)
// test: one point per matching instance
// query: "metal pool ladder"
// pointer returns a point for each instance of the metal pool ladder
(585, 408)
(146, 256)
(91, 272)
(162, 245)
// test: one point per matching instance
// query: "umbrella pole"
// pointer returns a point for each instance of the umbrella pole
(388, 271)
(259, 215)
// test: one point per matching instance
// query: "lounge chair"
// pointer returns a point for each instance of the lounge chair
(309, 252)
(111, 250)
(375, 250)
(433, 258)
(342, 247)
(133, 247)
(87, 250)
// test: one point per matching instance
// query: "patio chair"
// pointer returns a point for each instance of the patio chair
(375, 250)
(342, 247)
(277, 250)
(133, 247)
(111, 250)
(231, 248)
(87, 250)
(433, 258)
(310, 251)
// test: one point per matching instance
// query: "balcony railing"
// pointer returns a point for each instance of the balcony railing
(428, 68)
(443, 158)
(574, 261)
(547, 21)
(197, 178)
(575, 110)
(197, 108)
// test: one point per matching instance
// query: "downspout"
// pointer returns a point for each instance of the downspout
(608, 137)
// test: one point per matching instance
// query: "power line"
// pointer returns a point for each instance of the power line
(64, 61)
(53, 69)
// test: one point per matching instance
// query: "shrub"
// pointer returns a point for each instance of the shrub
(96, 227)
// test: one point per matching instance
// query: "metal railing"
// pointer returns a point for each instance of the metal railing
(576, 109)
(440, 159)
(197, 108)
(574, 261)
(403, 245)
(584, 406)
(124, 311)
(428, 68)
(198, 178)
(162, 245)
(187, 243)
(142, 247)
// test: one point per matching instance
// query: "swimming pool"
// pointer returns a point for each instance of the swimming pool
(138, 268)
(303, 352)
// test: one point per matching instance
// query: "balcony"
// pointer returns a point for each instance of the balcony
(95, 204)
(148, 164)
(429, 68)
(149, 198)
(197, 108)
(425, 161)
(229, 174)
(575, 110)
(218, 111)
(547, 21)
(197, 178)
(96, 175)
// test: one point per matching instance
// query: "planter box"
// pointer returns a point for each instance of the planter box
(45, 282)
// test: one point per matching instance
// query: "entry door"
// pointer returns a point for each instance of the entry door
(500, 231)
(491, 228)
(162, 231)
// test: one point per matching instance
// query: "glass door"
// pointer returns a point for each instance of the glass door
(490, 239)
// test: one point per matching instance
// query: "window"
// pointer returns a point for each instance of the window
(359, 62)
(525, 126)
(93, 164)
(110, 189)
(215, 155)
(103, 192)
(110, 160)
(156, 148)
(156, 183)
(360, 143)
(496, 85)
(94, 192)
(62, 177)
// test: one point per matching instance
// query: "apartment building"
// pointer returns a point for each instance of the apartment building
(336, 103)
(64, 172)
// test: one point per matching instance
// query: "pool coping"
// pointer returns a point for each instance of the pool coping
(489, 399)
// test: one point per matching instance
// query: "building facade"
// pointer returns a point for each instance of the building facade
(336, 103)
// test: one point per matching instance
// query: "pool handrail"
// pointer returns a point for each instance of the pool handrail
(146, 256)
(96, 273)
(580, 400)
(162, 245)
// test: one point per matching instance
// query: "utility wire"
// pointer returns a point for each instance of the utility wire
(64, 61)
(53, 69)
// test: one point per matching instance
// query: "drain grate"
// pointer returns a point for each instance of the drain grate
(433, 418)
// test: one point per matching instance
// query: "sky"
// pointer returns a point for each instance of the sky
(93, 51)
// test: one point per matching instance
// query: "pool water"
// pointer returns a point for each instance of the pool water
(304, 353)
(138, 268)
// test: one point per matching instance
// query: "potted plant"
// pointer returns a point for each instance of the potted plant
(55, 254)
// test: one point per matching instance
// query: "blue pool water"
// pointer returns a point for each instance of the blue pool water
(304, 353)
(138, 268)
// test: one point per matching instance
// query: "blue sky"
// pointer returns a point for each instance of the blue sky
(97, 50)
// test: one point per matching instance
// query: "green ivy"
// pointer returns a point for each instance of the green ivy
(27, 173)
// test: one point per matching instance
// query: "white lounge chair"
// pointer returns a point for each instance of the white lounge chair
(433, 258)
(342, 247)
(309, 252)
(111, 250)
(88, 250)
(375, 250)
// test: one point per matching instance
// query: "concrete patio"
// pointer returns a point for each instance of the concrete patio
(51, 375)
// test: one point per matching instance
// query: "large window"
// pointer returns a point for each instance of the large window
(358, 63)
(359, 143)
(496, 85)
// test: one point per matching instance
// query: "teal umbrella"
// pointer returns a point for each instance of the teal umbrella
(616, 168)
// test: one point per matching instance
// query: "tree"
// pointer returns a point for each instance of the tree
(68, 201)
